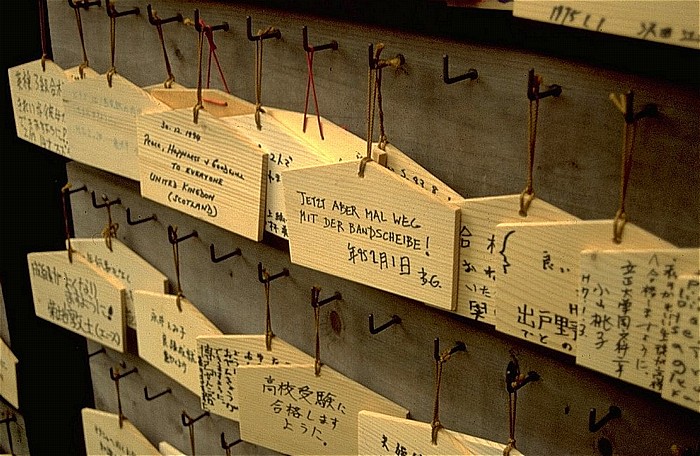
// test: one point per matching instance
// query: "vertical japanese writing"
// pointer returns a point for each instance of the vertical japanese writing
(177, 351)
(218, 366)
(629, 306)
(624, 306)
(305, 412)
(37, 100)
(77, 298)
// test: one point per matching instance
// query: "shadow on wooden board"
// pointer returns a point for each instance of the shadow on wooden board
(53, 376)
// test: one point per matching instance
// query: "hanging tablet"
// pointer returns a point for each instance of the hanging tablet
(538, 292)
(105, 434)
(291, 410)
(205, 169)
(378, 230)
(101, 123)
(682, 379)
(626, 302)
(285, 151)
(480, 261)
(8, 375)
(37, 102)
(79, 297)
(38, 90)
(134, 272)
(167, 335)
(219, 360)
(384, 434)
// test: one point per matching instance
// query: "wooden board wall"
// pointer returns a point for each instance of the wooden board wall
(473, 137)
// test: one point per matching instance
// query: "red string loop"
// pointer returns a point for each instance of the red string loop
(311, 87)
(212, 52)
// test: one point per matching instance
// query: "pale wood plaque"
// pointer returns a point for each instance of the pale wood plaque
(626, 301)
(285, 151)
(79, 297)
(167, 337)
(103, 436)
(8, 375)
(540, 264)
(290, 410)
(134, 272)
(682, 379)
(480, 261)
(663, 21)
(207, 170)
(378, 230)
(167, 449)
(219, 360)
(37, 102)
(101, 123)
(383, 434)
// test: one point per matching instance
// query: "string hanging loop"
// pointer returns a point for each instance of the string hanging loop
(440, 360)
(625, 104)
(374, 99)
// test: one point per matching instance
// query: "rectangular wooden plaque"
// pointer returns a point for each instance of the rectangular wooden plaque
(378, 230)
(8, 375)
(79, 297)
(626, 301)
(207, 170)
(104, 436)
(682, 379)
(664, 21)
(37, 102)
(167, 337)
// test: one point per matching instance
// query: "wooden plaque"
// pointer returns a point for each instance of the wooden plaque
(207, 170)
(79, 297)
(538, 291)
(290, 410)
(8, 375)
(285, 151)
(37, 101)
(383, 434)
(167, 337)
(134, 272)
(480, 262)
(103, 436)
(682, 379)
(167, 449)
(378, 230)
(626, 301)
(101, 123)
(221, 356)
(671, 22)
